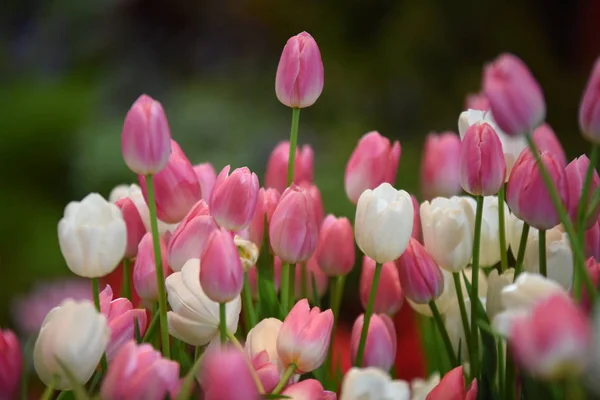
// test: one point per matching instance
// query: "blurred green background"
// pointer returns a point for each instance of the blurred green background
(71, 69)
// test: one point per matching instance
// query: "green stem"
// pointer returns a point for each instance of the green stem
(509, 379)
(223, 323)
(475, 288)
(521, 252)
(500, 350)
(303, 282)
(542, 252)
(49, 392)
(463, 310)
(285, 287)
(160, 278)
(444, 333)
(292, 283)
(284, 378)
(337, 290)
(249, 312)
(96, 290)
(253, 372)
(197, 353)
(367, 319)
(293, 141)
(126, 288)
(151, 328)
(503, 255)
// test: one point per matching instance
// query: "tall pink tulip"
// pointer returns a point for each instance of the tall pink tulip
(575, 176)
(207, 177)
(421, 278)
(272, 197)
(224, 375)
(10, 364)
(335, 250)
(373, 161)
(221, 274)
(144, 268)
(380, 347)
(313, 274)
(389, 297)
(234, 197)
(416, 232)
(452, 386)
(255, 232)
(317, 202)
(477, 101)
(589, 110)
(439, 165)
(277, 166)
(300, 76)
(134, 224)
(545, 140)
(592, 241)
(309, 389)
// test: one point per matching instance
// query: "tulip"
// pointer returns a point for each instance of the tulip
(452, 386)
(247, 252)
(303, 339)
(263, 337)
(252, 277)
(420, 277)
(482, 164)
(380, 346)
(373, 162)
(144, 268)
(416, 232)
(79, 350)
(255, 232)
(372, 383)
(593, 268)
(272, 197)
(134, 225)
(515, 97)
(234, 197)
(299, 79)
(310, 389)
(389, 297)
(545, 140)
(140, 372)
(293, 228)
(277, 166)
(448, 231)
(317, 202)
(121, 318)
(559, 257)
(312, 274)
(221, 275)
(268, 373)
(146, 138)
(575, 174)
(589, 110)
(92, 236)
(477, 101)
(10, 364)
(420, 388)
(529, 289)
(440, 175)
(496, 284)
(176, 187)
(225, 374)
(592, 241)
(207, 177)
(194, 318)
(120, 192)
(335, 248)
(134, 193)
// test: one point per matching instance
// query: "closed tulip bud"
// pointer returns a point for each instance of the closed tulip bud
(255, 232)
(277, 166)
(299, 79)
(92, 236)
(146, 137)
(225, 374)
(144, 268)
(335, 249)
(134, 225)
(389, 297)
(380, 347)
(444, 300)
(482, 165)
(121, 318)
(373, 162)
(384, 222)
(420, 277)
(515, 97)
(10, 364)
(207, 177)
(304, 337)
(176, 187)
(372, 383)
(79, 350)
(309, 389)
(545, 140)
(234, 197)
(589, 109)
(272, 197)
(448, 231)
(452, 386)
(140, 372)
(440, 175)
(312, 275)
(593, 268)
(477, 101)
(575, 173)
(293, 229)
(317, 202)
(221, 275)
(496, 284)
(592, 241)
(194, 318)
(416, 232)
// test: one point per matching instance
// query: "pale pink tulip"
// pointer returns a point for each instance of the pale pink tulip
(452, 387)
(545, 140)
(207, 176)
(575, 173)
(439, 165)
(380, 347)
(277, 166)
(309, 389)
(144, 268)
(589, 110)
(234, 197)
(335, 248)
(421, 278)
(225, 374)
(389, 297)
(221, 275)
(134, 225)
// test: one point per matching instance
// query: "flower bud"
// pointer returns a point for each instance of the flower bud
(11, 363)
(575, 173)
(440, 174)
(313, 275)
(317, 202)
(272, 197)
(589, 110)
(221, 275)
(134, 225)
(263, 337)
(372, 383)
(420, 277)
(233, 199)
(306, 390)
(207, 177)
(477, 101)
(299, 79)
(593, 268)
(92, 236)
(545, 140)
(277, 166)
(416, 232)
(389, 297)
(380, 346)
(592, 241)
(452, 386)
(146, 138)
(373, 162)
(496, 284)
(335, 248)
(515, 97)
(144, 268)
(225, 374)
(443, 302)
(255, 232)
(268, 373)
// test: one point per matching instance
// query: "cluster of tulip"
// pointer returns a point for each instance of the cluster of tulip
(201, 248)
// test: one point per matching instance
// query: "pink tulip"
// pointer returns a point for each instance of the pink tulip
(299, 79)
(516, 99)
(593, 268)
(134, 224)
(176, 187)
(373, 161)
(592, 241)
(304, 337)
(225, 374)
(575, 176)
(10, 364)
(317, 202)
(527, 195)
(140, 372)
(252, 277)
(313, 273)
(421, 278)
(234, 197)
(221, 272)
(589, 110)
(389, 297)
(144, 268)
(335, 248)
(477, 101)
(452, 387)
(545, 140)
(439, 165)
(277, 166)
(482, 165)
(207, 177)
(416, 232)
(380, 347)
(255, 232)
(146, 138)
(309, 389)
(267, 371)
(121, 318)
(272, 197)
(293, 228)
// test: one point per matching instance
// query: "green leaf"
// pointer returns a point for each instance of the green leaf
(275, 396)
(78, 389)
(137, 333)
(187, 387)
(151, 328)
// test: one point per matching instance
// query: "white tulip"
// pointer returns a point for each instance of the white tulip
(447, 226)
(92, 236)
(420, 388)
(511, 146)
(77, 335)
(263, 337)
(384, 222)
(497, 283)
(373, 384)
(195, 318)
(454, 326)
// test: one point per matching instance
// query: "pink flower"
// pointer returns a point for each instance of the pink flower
(389, 297)
(133, 223)
(255, 232)
(10, 364)
(592, 241)
(309, 389)
(593, 268)
(439, 165)
(299, 79)
(146, 138)
(144, 268)
(234, 197)
(272, 197)
(335, 249)
(277, 166)
(207, 176)
(373, 161)
(267, 371)
(313, 273)
(575, 176)
(380, 347)
(545, 140)
(452, 387)
(421, 278)
(317, 202)
(225, 374)
(589, 110)
(477, 101)
(416, 232)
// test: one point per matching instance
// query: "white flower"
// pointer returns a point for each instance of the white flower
(77, 335)
(497, 283)
(420, 388)
(384, 222)
(195, 318)
(263, 337)
(373, 384)
(92, 236)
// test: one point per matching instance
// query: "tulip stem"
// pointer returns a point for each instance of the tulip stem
(303, 282)
(285, 287)
(160, 278)
(542, 250)
(337, 290)
(522, 247)
(509, 378)
(223, 323)
(49, 392)
(284, 378)
(249, 312)
(96, 292)
(501, 225)
(293, 141)
(368, 312)
(475, 288)
(444, 333)
(126, 288)
(463, 310)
